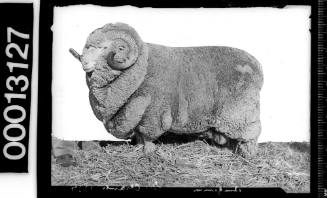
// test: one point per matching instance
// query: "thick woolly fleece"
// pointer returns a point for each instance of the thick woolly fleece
(176, 89)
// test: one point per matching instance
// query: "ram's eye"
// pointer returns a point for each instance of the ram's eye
(121, 48)
(89, 74)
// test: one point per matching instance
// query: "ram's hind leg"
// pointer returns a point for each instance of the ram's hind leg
(248, 148)
(241, 147)
(216, 138)
(239, 120)
(245, 146)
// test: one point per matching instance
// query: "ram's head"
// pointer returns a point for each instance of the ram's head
(108, 51)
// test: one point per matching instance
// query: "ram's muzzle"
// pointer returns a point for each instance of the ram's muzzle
(87, 66)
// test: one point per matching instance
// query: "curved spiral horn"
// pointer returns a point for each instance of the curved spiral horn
(115, 45)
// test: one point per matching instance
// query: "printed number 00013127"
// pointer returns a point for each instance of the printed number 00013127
(21, 83)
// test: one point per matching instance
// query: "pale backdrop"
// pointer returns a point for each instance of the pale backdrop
(278, 38)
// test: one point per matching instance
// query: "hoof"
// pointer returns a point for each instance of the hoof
(220, 139)
(65, 160)
(149, 147)
(247, 149)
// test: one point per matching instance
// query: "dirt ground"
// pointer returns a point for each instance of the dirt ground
(188, 164)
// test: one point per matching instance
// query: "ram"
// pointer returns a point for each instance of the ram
(145, 90)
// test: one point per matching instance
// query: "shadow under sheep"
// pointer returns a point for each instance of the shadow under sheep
(172, 138)
(168, 138)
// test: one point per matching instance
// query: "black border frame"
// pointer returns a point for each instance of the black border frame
(44, 187)
(25, 25)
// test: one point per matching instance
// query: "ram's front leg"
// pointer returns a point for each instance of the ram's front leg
(127, 118)
(152, 127)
